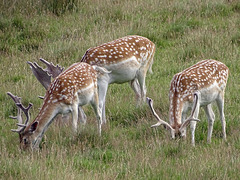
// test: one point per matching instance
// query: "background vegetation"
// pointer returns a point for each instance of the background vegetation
(184, 32)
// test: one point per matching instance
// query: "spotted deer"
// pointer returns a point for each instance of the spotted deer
(128, 59)
(198, 85)
(74, 87)
(45, 76)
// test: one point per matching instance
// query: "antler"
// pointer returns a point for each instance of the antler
(44, 75)
(41, 75)
(21, 108)
(53, 70)
(160, 121)
(191, 118)
(16, 100)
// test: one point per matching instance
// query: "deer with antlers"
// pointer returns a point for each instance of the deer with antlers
(72, 88)
(45, 76)
(198, 85)
(127, 59)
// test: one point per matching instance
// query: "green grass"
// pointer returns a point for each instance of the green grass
(184, 32)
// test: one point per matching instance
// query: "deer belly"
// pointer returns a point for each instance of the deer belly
(123, 71)
(208, 95)
(85, 95)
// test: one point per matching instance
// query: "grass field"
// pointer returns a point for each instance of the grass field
(184, 32)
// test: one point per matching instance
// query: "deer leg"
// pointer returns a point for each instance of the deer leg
(193, 123)
(183, 133)
(103, 111)
(102, 91)
(74, 117)
(136, 88)
(81, 115)
(220, 104)
(141, 79)
(211, 117)
(97, 110)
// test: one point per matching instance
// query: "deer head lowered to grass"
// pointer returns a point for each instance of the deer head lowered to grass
(74, 87)
(128, 59)
(206, 81)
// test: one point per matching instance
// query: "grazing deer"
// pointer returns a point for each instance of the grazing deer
(128, 58)
(206, 81)
(74, 87)
(45, 76)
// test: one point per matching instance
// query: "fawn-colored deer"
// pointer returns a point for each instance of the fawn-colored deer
(206, 81)
(72, 88)
(128, 59)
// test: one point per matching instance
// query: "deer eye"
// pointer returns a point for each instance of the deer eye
(25, 141)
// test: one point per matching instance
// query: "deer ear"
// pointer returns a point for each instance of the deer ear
(33, 127)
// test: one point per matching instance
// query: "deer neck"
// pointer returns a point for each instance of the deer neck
(175, 110)
(44, 119)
